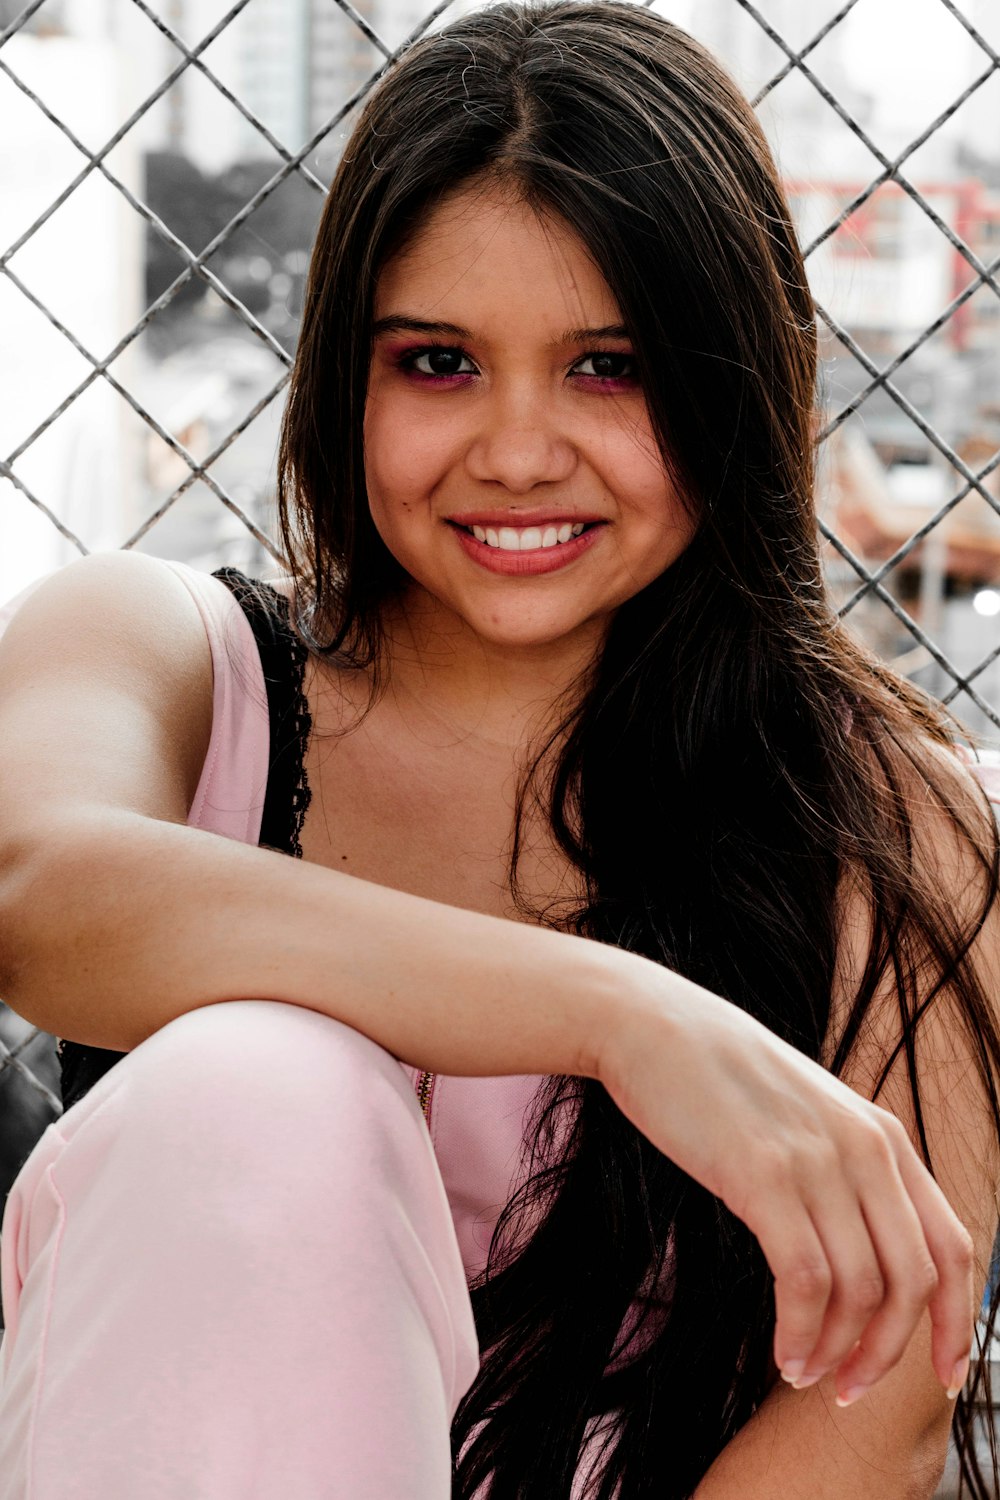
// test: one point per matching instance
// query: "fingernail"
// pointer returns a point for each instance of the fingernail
(804, 1381)
(792, 1370)
(851, 1395)
(959, 1376)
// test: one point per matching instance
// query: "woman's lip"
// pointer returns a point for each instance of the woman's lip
(521, 520)
(525, 564)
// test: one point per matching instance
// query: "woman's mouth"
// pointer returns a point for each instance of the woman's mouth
(522, 550)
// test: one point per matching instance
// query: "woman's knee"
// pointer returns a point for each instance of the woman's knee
(249, 1153)
(251, 1090)
(260, 1061)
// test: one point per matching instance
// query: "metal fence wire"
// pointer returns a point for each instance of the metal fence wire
(909, 503)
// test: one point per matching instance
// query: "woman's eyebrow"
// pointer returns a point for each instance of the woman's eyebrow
(584, 335)
(401, 323)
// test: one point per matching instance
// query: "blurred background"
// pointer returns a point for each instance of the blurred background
(163, 165)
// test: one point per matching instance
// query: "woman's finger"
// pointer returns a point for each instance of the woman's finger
(803, 1279)
(894, 1273)
(952, 1304)
(862, 1283)
(857, 1256)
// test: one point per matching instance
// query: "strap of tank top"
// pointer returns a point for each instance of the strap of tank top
(283, 659)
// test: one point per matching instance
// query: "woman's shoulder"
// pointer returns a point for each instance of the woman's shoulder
(949, 786)
(126, 602)
(948, 794)
(942, 798)
(930, 766)
(119, 627)
(157, 614)
(107, 663)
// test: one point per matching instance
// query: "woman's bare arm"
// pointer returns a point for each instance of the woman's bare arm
(115, 918)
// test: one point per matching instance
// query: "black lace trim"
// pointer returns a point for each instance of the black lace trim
(287, 795)
(283, 658)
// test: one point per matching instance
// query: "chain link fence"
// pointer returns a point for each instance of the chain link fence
(165, 163)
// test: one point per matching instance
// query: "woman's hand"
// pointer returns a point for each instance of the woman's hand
(857, 1233)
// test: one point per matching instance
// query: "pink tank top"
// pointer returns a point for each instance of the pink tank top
(476, 1124)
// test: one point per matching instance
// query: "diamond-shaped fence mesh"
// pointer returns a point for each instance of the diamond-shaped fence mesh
(164, 163)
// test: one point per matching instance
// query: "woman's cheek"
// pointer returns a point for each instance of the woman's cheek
(389, 469)
(408, 450)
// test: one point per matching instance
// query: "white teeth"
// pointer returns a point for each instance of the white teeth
(531, 539)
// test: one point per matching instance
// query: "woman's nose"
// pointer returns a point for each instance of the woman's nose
(520, 444)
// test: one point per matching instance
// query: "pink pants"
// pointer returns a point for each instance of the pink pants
(231, 1273)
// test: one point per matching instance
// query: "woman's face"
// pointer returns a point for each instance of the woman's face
(511, 465)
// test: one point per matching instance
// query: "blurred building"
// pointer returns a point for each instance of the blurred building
(85, 263)
(293, 63)
(889, 271)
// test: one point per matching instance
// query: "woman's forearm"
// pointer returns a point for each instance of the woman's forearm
(113, 924)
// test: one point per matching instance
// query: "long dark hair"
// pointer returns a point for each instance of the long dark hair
(732, 756)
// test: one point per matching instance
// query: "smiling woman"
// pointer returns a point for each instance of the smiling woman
(605, 1102)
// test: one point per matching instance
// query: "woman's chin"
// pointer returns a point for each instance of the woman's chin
(515, 623)
(515, 634)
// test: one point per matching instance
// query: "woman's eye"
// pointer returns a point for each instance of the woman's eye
(607, 366)
(440, 361)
